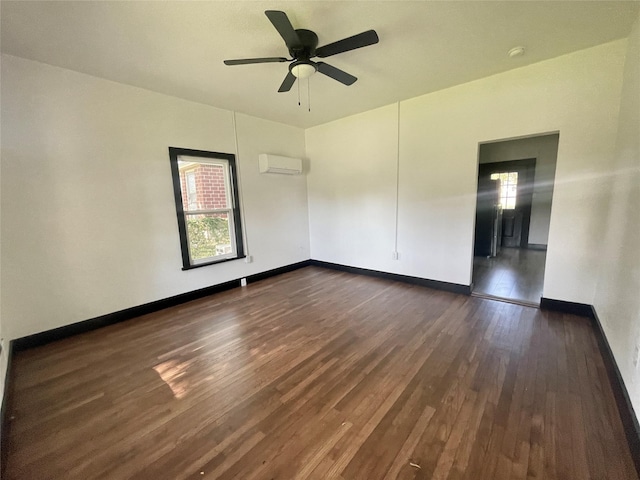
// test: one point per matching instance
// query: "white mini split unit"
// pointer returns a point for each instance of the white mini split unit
(277, 164)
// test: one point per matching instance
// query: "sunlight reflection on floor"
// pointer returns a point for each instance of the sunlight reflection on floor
(173, 373)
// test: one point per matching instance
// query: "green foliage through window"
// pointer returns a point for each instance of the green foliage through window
(208, 236)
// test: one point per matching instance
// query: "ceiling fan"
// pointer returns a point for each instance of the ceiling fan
(302, 45)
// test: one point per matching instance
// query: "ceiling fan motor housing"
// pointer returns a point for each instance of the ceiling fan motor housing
(307, 47)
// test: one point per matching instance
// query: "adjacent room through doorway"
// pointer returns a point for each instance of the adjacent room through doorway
(515, 191)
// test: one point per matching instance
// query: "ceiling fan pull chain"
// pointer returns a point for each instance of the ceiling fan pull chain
(308, 94)
(298, 82)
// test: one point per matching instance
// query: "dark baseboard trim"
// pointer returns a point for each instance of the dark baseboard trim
(621, 395)
(424, 282)
(581, 309)
(65, 331)
(59, 333)
(5, 424)
(277, 271)
(537, 246)
(620, 392)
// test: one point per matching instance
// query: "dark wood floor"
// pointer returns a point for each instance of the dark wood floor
(317, 374)
(516, 274)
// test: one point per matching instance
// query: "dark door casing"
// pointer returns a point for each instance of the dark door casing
(488, 197)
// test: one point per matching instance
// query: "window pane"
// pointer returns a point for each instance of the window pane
(204, 185)
(508, 188)
(208, 236)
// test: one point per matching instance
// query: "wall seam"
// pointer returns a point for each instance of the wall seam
(395, 246)
(245, 236)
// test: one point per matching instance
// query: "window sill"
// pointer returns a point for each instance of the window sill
(213, 262)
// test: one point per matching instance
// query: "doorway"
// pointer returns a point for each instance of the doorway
(515, 189)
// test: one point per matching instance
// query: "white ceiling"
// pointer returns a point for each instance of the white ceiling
(178, 47)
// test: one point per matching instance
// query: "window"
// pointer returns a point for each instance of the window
(207, 204)
(508, 188)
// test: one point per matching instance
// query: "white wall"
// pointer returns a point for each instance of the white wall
(275, 206)
(576, 95)
(544, 149)
(3, 343)
(352, 189)
(88, 216)
(617, 299)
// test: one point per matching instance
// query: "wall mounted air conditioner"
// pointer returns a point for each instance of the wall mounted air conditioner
(277, 164)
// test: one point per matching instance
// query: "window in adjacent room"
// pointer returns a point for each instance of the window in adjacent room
(508, 188)
(207, 204)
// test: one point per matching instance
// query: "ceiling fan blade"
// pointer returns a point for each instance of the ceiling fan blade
(247, 61)
(363, 39)
(336, 73)
(288, 82)
(284, 28)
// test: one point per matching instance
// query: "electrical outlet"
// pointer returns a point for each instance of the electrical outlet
(395, 255)
(243, 282)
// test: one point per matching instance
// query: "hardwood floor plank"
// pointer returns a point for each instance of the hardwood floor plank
(321, 374)
(468, 440)
(445, 460)
(403, 458)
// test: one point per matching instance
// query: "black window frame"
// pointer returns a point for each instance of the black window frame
(174, 154)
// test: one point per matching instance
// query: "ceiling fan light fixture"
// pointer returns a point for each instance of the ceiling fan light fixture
(302, 69)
